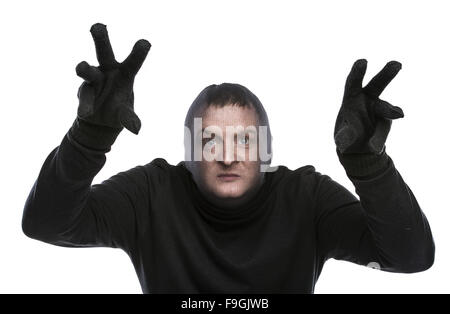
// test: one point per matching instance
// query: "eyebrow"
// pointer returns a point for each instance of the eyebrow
(251, 131)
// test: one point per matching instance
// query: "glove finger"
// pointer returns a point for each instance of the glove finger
(355, 78)
(379, 82)
(105, 54)
(86, 94)
(130, 120)
(378, 139)
(345, 137)
(134, 61)
(383, 109)
(88, 73)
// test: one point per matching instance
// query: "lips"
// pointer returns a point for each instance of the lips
(228, 176)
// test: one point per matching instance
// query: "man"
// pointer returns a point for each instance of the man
(224, 221)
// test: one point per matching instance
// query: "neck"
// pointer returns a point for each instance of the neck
(234, 202)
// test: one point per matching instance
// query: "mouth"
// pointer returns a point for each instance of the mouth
(228, 177)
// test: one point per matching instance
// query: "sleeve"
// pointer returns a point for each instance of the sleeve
(64, 209)
(385, 228)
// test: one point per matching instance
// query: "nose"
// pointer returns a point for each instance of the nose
(229, 154)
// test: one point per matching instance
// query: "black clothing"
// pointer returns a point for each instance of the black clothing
(179, 242)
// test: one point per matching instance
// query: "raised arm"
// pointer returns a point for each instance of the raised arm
(63, 208)
(386, 227)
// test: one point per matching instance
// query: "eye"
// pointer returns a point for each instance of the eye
(243, 140)
(210, 142)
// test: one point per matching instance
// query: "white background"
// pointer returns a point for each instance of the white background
(293, 55)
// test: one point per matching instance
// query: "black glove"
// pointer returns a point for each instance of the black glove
(106, 100)
(364, 120)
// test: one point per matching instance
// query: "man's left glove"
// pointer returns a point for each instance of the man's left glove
(364, 121)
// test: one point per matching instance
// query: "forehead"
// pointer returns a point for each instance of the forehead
(229, 115)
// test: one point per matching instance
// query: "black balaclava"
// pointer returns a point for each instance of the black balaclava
(221, 95)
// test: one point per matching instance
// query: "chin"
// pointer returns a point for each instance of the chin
(229, 191)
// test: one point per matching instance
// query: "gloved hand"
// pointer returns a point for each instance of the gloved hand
(106, 96)
(364, 120)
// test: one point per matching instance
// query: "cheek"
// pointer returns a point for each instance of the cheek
(252, 167)
(207, 170)
(252, 153)
(252, 171)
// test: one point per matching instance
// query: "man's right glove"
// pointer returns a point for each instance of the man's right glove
(106, 100)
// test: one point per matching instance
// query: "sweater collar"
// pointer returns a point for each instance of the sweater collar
(229, 217)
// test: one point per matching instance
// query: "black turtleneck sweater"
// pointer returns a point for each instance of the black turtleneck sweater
(180, 243)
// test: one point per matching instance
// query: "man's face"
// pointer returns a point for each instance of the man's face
(235, 170)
